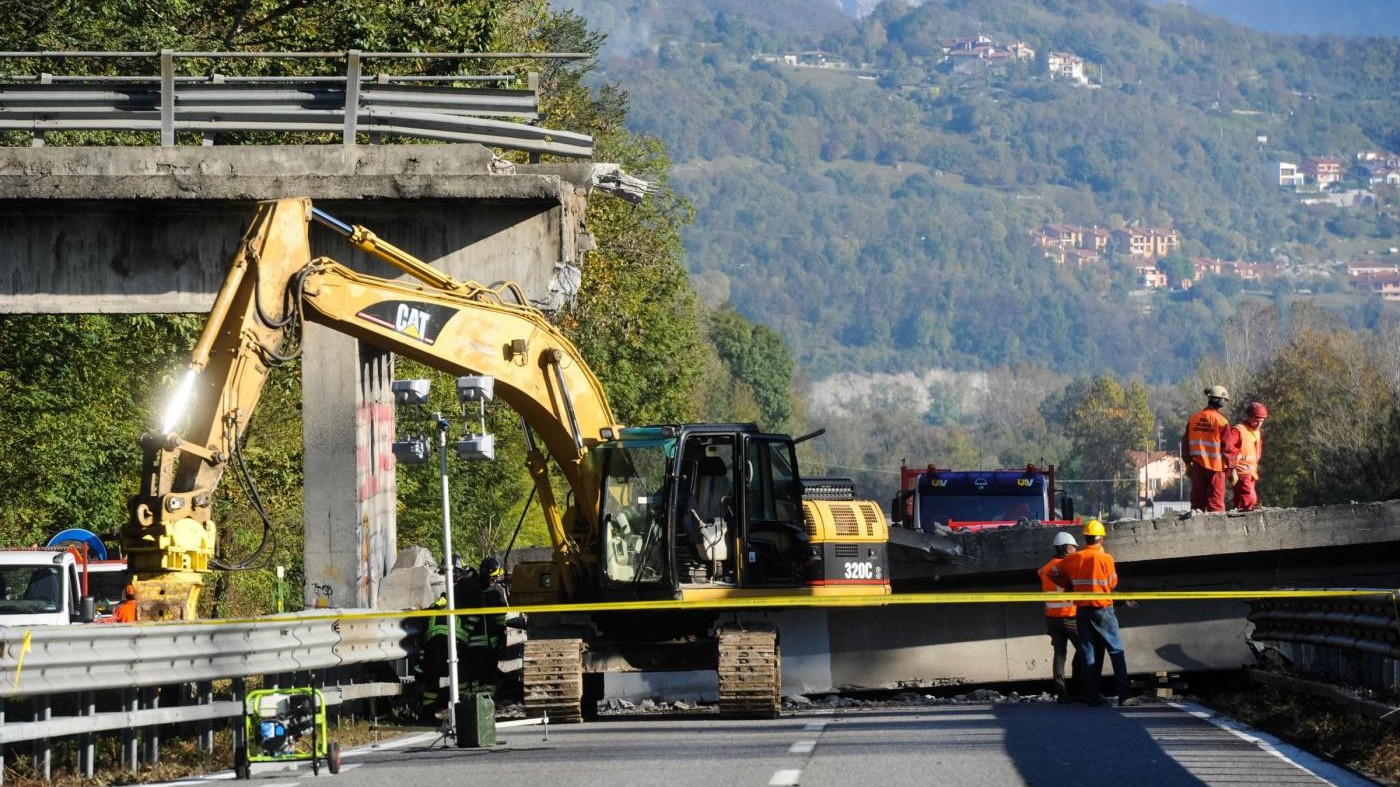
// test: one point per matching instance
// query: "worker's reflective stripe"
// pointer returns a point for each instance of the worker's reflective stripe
(1205, 448)
(1056, 605)
(1103, 583)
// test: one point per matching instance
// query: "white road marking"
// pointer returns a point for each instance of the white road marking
(816, 726)
(1298, 758)
(787, 778)
(802, 747)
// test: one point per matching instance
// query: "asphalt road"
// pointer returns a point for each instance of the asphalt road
(982, 744)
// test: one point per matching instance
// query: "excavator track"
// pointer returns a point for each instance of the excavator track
(750, 672)
(553, 679)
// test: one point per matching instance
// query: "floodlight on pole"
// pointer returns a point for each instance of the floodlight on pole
(415, 450)
(480, 389)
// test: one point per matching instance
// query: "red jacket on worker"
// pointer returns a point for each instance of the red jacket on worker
(1054, 609)
(1090, 570)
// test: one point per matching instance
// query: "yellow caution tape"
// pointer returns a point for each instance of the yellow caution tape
(843, 602)
(19, 662)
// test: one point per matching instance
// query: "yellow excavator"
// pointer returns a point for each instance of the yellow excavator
(661, 512)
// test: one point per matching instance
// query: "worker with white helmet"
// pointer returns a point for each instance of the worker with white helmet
(1092, 570)
(1060, 621)
(1203, 451)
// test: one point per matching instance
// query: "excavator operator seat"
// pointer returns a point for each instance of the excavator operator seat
(712, 489)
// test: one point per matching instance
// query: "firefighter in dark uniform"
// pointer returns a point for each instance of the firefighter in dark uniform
(487, 633)
(432, 662)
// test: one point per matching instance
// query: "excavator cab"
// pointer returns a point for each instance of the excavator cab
(700, 506)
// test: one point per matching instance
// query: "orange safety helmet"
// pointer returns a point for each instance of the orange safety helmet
(1256, 410)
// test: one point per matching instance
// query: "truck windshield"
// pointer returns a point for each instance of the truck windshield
(30, 589)
(944, 508)
(633, 512)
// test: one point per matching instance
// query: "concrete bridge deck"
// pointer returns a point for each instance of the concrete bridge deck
(1333, 546)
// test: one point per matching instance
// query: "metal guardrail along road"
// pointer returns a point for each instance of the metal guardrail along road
(348, 104)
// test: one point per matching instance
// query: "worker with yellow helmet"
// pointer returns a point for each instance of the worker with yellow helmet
(1092, 570)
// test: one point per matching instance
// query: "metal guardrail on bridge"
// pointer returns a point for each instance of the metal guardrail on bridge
(348, 104)
(1353, 641)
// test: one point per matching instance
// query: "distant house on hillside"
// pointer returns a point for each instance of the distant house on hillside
(1249, 271)
(979, 53)
(1068, 66)
(1149, 278)
(816, 58)
(1381, 174)
(1323, 170)
(967, 43)
(1371, 266)
(1070, 244)
(1289, 175)
(1386, 285)
(1146, 242)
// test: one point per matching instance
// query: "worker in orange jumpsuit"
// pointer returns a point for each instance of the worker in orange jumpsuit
(1092, 570)
(1243, 448)
(1060, 621)
(126, 611)
(1203, 451)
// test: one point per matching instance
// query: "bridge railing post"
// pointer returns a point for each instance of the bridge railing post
(352, 96)
(167, 98)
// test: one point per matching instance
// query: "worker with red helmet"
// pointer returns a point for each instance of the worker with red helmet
(1060, 621)
(1244, 446)
(1203, 451)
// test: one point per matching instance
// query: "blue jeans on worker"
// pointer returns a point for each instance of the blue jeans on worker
(1098, 632)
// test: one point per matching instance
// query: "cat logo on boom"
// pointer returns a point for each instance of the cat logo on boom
(416, 320)
(411, 322)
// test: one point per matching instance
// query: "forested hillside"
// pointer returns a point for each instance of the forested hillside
(881, 223)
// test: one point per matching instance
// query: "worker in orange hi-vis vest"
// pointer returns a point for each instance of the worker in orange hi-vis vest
(1203, 451)
(1092, 570)
(1242, 452)
(126, 611)
(1060, 621)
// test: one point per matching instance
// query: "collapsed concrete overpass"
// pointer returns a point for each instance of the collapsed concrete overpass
(152, 229)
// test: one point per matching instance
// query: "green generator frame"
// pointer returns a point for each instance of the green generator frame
(298, 714)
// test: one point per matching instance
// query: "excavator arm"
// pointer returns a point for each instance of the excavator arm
(273, 285)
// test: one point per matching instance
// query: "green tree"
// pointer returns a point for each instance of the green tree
(756, 356)
(1104, 422)
(1177, 268)
(1333, 432)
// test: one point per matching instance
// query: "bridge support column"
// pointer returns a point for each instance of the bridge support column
(347, 412)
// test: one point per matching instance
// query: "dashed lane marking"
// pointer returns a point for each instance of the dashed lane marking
(802, 747)
(785, 778)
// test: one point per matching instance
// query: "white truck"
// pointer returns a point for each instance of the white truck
(44, 587)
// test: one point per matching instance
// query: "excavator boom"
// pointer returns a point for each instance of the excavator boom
(273, 285)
